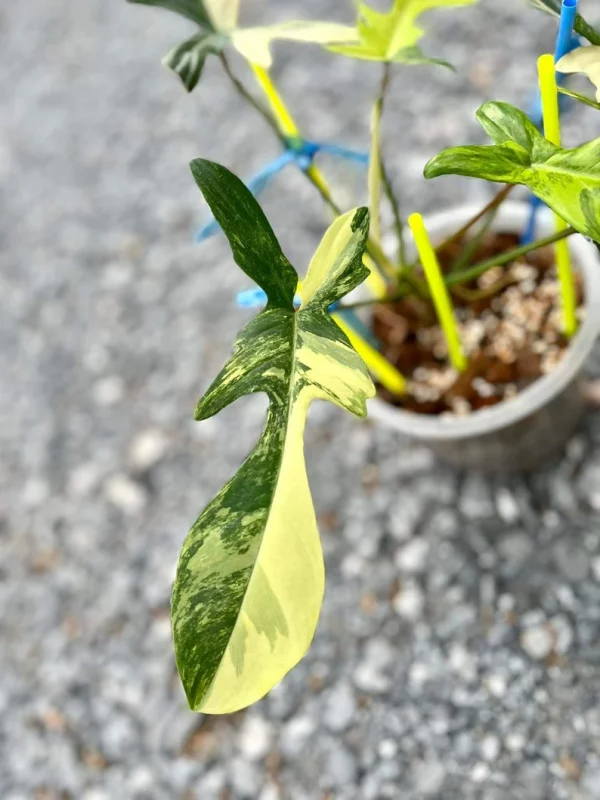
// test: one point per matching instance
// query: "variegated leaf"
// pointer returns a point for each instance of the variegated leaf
(566, 180)
(255, 43)
(392, 36)
(224, 13)
(187, 59)
(192, 9)
(250, 580)
(585, 60)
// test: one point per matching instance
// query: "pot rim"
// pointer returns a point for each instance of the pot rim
(511, 216)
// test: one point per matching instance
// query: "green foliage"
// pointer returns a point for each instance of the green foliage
(566, 180)
(192, 9)
(581, 26)
(392, 36)
(250, 580)
(187, 59)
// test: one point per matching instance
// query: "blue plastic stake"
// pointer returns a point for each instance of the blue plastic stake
(568, 15)
(565, 42)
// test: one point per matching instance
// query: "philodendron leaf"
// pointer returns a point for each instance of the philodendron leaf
(255, 43)
(250, 579)
(585, 60)
(566, 180)
(581, 26)
(392, 36)
(187, 59)
(192, 9)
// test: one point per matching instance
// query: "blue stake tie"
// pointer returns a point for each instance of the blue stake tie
(565, 42)
(298, 151)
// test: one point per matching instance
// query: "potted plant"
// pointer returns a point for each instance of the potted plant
(475, 341)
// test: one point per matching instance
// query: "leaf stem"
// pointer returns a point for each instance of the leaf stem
(475, 271)
(499, 261)
(249, 98)
(494, 203)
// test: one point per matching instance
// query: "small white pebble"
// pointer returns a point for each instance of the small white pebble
(409, 601)
(497, 685)
(507, 505)
(127, 495)
(387, 749)
(147, 449)
(596, 569)
(419, 674)
(490, 748)
(480, 773)
(108, 391)
(413, 556)
(254, 738)
(515, 742)
(537, 642)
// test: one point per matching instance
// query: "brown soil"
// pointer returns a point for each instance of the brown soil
(510, 330)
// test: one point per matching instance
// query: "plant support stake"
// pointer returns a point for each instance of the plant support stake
(549, 94)
(565, 41)
(439, 292)
(381, 369)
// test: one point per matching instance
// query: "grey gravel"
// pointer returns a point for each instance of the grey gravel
(458, 650)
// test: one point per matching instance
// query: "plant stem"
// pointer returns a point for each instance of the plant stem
(249, 98)
(581, 97)
(500, 260)
(494, 203)
(473, 243)
(478, 269)
(312, 173)
(379, 166)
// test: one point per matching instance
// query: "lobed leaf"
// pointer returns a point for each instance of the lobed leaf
(566, 180)
(392, 36)
(250, 579)
(187, 59)
(255, 43)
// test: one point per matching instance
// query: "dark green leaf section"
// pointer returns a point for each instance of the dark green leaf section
(187, 59)
(192, 9)
(255, 247)
(566, 180)
(582, 27)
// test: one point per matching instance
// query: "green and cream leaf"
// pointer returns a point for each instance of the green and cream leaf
(255, 43)
(250, 579)
(566, 180)
(187, 59)
(584, 60)
(392, 36)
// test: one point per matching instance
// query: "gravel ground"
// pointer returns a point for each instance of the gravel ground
(458, 652)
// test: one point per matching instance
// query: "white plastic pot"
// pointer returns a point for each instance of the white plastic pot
(521, 433)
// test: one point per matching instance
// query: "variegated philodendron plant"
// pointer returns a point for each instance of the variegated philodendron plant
(250, 581)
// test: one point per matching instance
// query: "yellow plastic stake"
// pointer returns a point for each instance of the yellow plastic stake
(284, 119)
(381, 369)
(288, 127)
(551, 113)
(439, 291)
